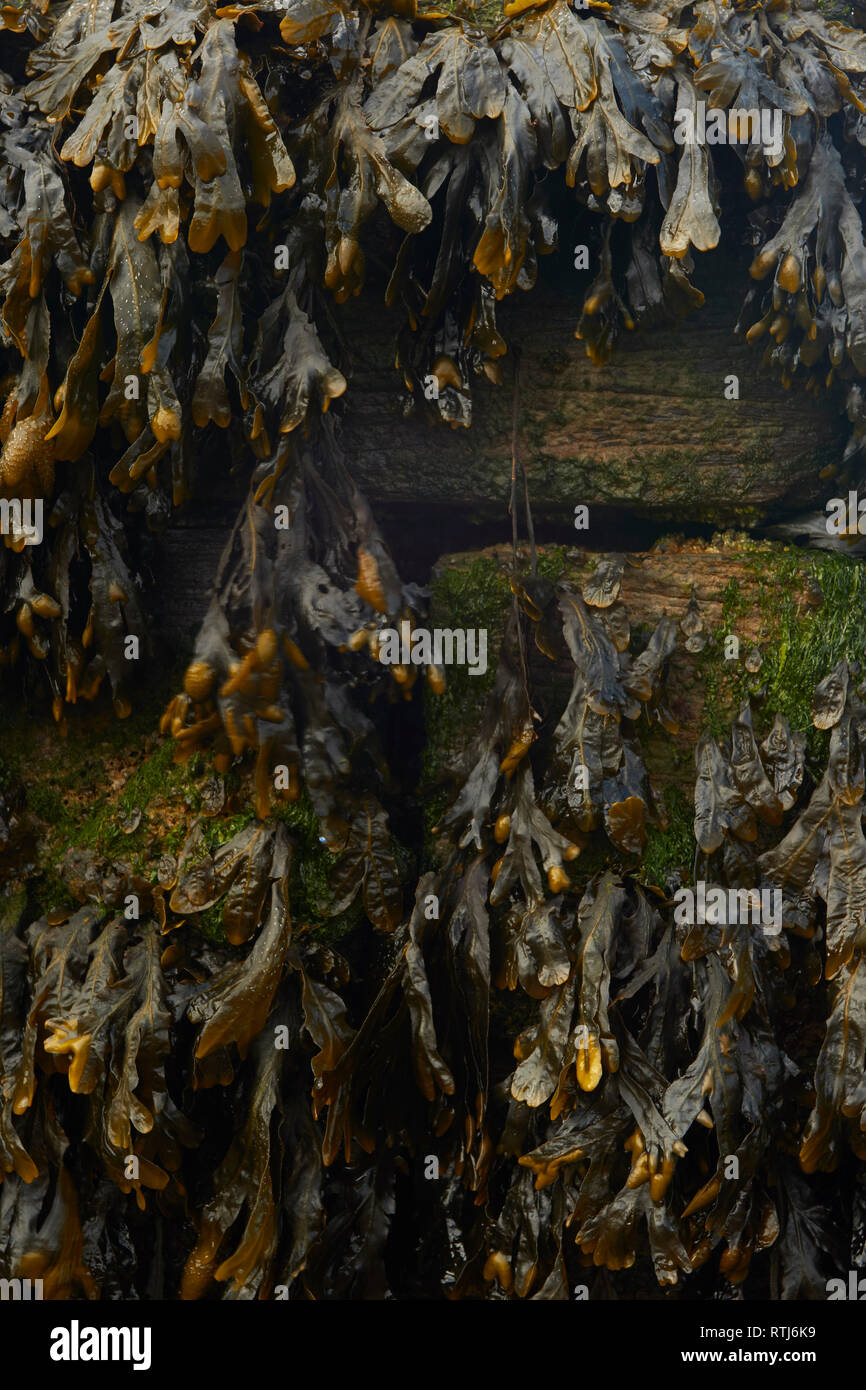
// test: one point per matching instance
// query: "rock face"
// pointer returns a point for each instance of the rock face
(647, 440)
(651, 432)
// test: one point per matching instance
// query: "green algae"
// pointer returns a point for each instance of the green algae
(800, 642)
(310, 877)
(670, 848)
(474, 595)
(80, 796)
(803, 631)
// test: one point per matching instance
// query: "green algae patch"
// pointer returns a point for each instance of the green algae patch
(467, 592)
(473, 595)
(131, 802)
(486, 14)
(810, 641)
(12, 909)
(313, 865)
(80, 786)
(811, 611)
(794, 614)
(310, 879)
(670, 847)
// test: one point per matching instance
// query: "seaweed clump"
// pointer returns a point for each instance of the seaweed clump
(647, 1119)
(167, 168)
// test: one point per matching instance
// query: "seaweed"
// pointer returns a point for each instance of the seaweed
(184, 192)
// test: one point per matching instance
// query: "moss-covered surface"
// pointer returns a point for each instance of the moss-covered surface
(474, 594)
(486, 14)
(95, 783)
(112, 790)
(800, 611)
(670, 844)
(812, 612)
